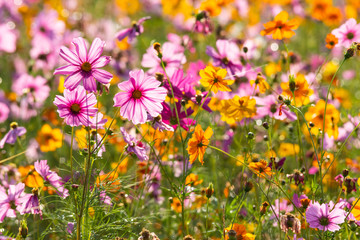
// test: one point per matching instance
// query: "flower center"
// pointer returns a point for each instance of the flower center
(75, 108)
(13, 125)
(350, 35)
(136, 94)
(225, 61)
(324, 221)
(273, 108)
(86, 66)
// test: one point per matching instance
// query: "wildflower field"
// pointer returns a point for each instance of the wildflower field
(179, 119)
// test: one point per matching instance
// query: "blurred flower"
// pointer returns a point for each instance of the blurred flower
(31, 203)
(30, 177)
(193, 180)
(332, 16)
(131, 33)
(52, 177)
(214, 78)
(331, 41)
(8, 39)
(49, 139)
(134, 146)
(316, 115)
(325, 217)
(299, 88)
(280, 28)
(260, 83)
(84, 66)
(13, 134)
(198, 144)
(347, 33)
(4, 112)
(240, 232)
(35, 88)
(142, 94)
(227, 56)
(76, 107)
(289, 221)
(176, 205)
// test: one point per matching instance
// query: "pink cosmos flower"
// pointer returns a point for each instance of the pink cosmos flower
(134, 146)
(169, 116)
(7, 39)
(227, 56)
(31, 203)
(4, 112)
(10, 200)
(76, 107)
(136, 29)
(12, 135)
(35, 88)
(347, 33)
(52, 177)
(325, 217)
(173, 58)
(142, 94)
(269, 106)
(84, 66)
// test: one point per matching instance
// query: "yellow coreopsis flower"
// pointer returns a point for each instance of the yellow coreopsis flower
(280, 28)
(198, 143)
(213, 77)
(316, 115)
(260, 83)
(49, 139)
(238, 108)
(301, 90)
(260, 168)
(240, 232)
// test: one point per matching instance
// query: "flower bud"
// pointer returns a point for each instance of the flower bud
(345, 172)
(349, 53)
(210, 191)
(248, 186)
(23, 229)
(157, 47)
(232, 234)
(265, 125)
(250, 135)
(159, 77)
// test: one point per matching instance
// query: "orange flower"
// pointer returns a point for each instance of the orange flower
(176, 205)
(240, 232)
(261, 83)
(280, 28)
(333, 16)
(213, 77)
(193, 180)
(30, 177)
(49, 139)
(260, 168)
(198, 143)
(319, 7)
(301, 90)
(331, 41)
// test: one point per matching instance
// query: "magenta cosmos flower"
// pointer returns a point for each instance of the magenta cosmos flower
(134, 146)
(325, 217)
(84, 66)
(141, 94)
(12, 135)
(76, 107)
(347, 33)
(135, 30)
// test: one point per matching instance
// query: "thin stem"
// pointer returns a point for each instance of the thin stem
(71, 151)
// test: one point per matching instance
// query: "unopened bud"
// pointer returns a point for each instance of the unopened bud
(159, 77)
(265, 125)
(232, 234)
(349, 53)
(157, 47)
(345, 172)
(210, 191)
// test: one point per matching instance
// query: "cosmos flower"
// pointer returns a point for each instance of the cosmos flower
(31, 203)
(141, 94)
(135, 30)
(76, 107)
(84, 65)
(172, 56)
(198, 144)
(347, 33)
(12, 135)
(169, 116)
(35, 88)
(134, 146)
(325, 217)
(11, 200)
(227, 56)
(280, 28)
(52, 177)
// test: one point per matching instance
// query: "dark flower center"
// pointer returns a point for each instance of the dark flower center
(75, 108)
(12, 205)
(324, 221)
(225, 61)
(136, 94)
(13, 125)
(173, 121)
(86, 66)
(350, 35)
(273, 108)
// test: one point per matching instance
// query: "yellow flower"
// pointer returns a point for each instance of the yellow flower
(211, 6)
(261, 83)
(193, 180)
(198, 143)
(343, 96)
(288, 149)
(315, 114)
(176, 7)
(237, 108)
(49, 139)
(280, 28)
(260, 168)
(356, 210)
(128, 6)
(213, 77)
(122, 167)
(301, 89)
(30, 177)
(176, 205)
